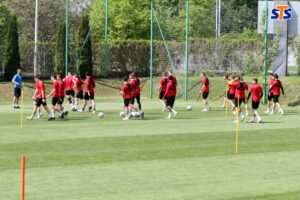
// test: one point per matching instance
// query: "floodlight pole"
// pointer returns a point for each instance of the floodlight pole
(187, 52)
(106, 40)
(36, 67)
(266, 51)
(67, 37)
(151, 52)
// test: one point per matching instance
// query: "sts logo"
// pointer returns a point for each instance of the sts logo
(282, 12)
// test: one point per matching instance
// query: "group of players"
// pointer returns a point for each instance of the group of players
(62, 88)
(131, 90)
(236, 95)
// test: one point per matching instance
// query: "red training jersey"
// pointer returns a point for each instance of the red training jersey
(133, 85)
(256, 91)
(89, 85)
(79, 84)
(61, 88)
(271, 83)
(40, 87)
(69, 83)
(231, 87)
(205, 84)
(276, 86)
(240, 89)
(127, 91)
(56, 87)
(171, 89)
(163, 84)
(138, 85)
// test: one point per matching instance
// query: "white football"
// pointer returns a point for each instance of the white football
(101, 115)
(189, 108)
(134, 114)
(122, 114)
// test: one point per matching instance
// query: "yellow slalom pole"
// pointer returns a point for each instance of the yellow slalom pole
(22, 105)
(237, 127)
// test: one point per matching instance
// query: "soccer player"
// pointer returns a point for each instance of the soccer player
(246, 101)
(39, 97)
(133, 85)
(205, 92)
(270, 94)
(61, 86)
(275, 88)
(170, 96)
(240, 97)
(55, 97)
(162, 89)
(231, 91)
(89, 92)
(69, 85)
(138, 90)
(257, 93)
(79, 87)
(17, 80)
(227, 79)
(170, 73)
(126, 92)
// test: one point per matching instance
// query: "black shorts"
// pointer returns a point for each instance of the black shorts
(205, 95)
(55, 101)
(87, 97)
(17, 92)
(170, 101)
(238, 102)
(70, 93)
(39, 102)
(255, 105)
(230, 96)
(127, 102)
(61, 100)
(79, 95)
(161, 95)
(276, 98)
(132, 100)
(270, 96)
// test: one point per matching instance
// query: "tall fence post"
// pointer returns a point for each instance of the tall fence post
(67, 37)
(106, 41)
(151, 52)
(266, 51)
(187, 52)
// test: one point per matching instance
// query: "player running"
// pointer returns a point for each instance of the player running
(205, 92)
(61, 86)
(246, 101)
(275, 88)
(170, 96)
(69, 85)
(231, 91)
(270, 94)
(89, 94)
(17, 80)
(39, 97)
(239, 97)
(133, 85)
(257, 93)
(227, 79)
(79, 87)
(55, 93)
(126, 92)
(162, 89)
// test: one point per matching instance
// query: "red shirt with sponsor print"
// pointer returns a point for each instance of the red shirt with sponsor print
(79, 84)
(133, 85)
(256, 91)
(55, 86)
(276, 87)
(89, 85)
(69, 83)
(171, 89)
(205, 84)
(240, 89)
(163, 84)
(127, 91)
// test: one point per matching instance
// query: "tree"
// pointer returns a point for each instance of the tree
(84, 53)
(11, 52)
(60, 51)
(4, 16)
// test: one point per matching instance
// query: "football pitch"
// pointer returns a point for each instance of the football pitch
(191, 157)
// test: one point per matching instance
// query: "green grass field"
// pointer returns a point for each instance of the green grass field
(191, 157)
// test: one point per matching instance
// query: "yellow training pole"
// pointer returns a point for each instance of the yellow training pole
(22, 105)
(237, 127)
